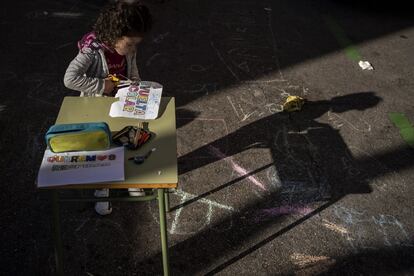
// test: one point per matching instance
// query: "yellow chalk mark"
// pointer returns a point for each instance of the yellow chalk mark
(303, 260)
(334, 227)
(311, 265)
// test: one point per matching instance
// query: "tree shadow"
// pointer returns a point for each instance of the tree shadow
(221, 44)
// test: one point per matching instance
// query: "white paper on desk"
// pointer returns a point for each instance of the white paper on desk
(139, 102)
(81, 167)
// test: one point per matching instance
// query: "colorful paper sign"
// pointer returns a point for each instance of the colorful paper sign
(81, 167)
(138, 101)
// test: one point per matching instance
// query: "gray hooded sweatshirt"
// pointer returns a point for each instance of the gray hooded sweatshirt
(87, 71)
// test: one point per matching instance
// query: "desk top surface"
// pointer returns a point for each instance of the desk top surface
(159, 170)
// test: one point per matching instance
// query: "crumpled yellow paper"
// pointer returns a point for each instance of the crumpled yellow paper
(293, 103)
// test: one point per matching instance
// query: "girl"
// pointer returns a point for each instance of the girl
(109, 49)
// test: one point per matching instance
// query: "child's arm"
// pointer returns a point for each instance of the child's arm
(76, 79)
(134, 74)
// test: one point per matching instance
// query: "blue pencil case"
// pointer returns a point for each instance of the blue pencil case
(78, 137)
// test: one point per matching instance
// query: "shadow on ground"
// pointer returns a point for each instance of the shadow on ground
(312, 163)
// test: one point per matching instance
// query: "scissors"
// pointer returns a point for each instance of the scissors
(139, 159)
(117, 80)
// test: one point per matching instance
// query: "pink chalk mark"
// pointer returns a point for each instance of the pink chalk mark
(236, 167)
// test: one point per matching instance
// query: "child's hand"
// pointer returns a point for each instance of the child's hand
(109, 87)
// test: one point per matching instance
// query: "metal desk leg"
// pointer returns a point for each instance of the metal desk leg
(56, 233)
(163, 228)
(167, 200)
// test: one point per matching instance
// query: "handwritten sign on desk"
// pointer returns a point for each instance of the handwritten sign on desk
(138, 101)
(81, 167)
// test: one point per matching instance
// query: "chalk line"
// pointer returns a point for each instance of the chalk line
(303, 260)
(368, 129)
(151, 58)
(336, 228)
(203, 200)
(311, 265)
(66, 14)
(274, 42)
(82, 224)
(263, 81)
(64, 45)
(236, 167)
(232, 105)
(223, 61)
(160, 37)
(185, 196)
(177, 215)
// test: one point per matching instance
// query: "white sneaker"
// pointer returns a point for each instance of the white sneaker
(103, 208)
(136, 192)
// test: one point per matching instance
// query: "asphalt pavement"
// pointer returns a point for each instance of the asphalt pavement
(326, 190)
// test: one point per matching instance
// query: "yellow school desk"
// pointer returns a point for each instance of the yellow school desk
(158, 172)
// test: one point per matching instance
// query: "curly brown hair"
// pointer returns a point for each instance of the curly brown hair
(122, 19)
